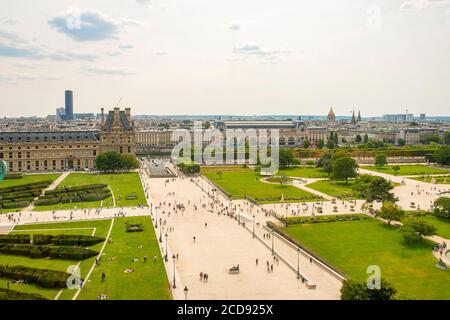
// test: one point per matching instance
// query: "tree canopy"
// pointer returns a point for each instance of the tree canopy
(374, 188)
(113, 161)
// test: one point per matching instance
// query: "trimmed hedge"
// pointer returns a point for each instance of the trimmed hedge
(66, 240)
(15, 238)
(42, 277)
(86, 193)
(38, 251)
(321, 219)
(14, 205)
(11, 176)
(6, 294)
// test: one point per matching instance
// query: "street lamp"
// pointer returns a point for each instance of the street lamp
(156, 220)
(174, 284)
(160, 231)
(186, 290)
(253, 226)
(298, 263)
(165, 256)
(273, 251)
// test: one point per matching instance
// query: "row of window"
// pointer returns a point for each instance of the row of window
(28, 154)
(46, 147)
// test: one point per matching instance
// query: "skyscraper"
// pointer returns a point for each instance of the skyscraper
(69, 105)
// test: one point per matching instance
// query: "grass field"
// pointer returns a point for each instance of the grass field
(303, 172)
(88, 227)
(247, 182)
(29, 178)
(338, 189)
(353, 246)
(438, 179)
(408, 170)
(122, 185)
(147, 282)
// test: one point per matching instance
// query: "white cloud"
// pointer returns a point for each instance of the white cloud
(126, 46)
(10, 22)
(254, 50)
(90, 25)
(107, 71)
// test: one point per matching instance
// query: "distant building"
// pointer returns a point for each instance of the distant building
(401, 117)
(423, 117)
(56, 150)
(69, 105)
(331, 118)
(60, 114)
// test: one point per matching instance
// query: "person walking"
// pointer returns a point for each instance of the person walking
(145, 259)
(256, 261)
(194, 238)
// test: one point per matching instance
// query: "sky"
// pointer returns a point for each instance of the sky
(226, 56)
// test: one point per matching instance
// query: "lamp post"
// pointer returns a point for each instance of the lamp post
(253, 226)
(186, 290)
(160, 231)
(165, 256)
(156, 220)
(298, 263)
(273, 250)
(174, 284)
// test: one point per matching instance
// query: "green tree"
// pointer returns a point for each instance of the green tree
(414, 230)
(325, 163)
(283, 180)
(447, 137)
(109, 161)
(320, 144)
(286, 157)
(442, 207)
(390, 212)
(354, 290)
(344, 168)
(358, 138)
(401, 142)
(366, 138)
(306, 144)
(442, 155)
(380, 160)
(374, 188)
(396, 169)
(431, 138)
(129, 162)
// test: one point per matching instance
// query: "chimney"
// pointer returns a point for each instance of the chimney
(128, 113)
(102, 117)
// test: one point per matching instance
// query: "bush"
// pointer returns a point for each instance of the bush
(67, 240)
(321, 219)
(15, 238)
(41, 251)
(41, 277)
(15, 205)
(46, 202)
(12, 176)
(6, 294)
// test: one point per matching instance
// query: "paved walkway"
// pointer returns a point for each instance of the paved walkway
(52, 186)
(222, 244)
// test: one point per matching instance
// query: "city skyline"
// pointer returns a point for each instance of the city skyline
(169, 57)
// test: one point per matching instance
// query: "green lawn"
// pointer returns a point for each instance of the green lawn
(122, 185)
(147, 282)
(408, 170)
(303, 172)
(29, 178)
(438, 179)
(87, 227)
(247, 182)
(353, 246)
(338, 189)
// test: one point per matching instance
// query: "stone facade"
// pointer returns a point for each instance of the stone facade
(43, 151)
